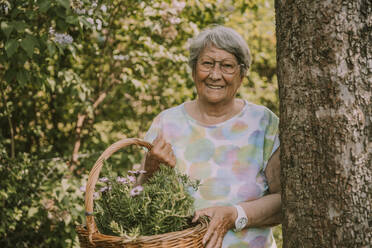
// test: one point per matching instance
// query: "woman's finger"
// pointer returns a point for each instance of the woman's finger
(169, 155)
(207, 235)
(196, 216)
(212, 241)
(211, 232)
(219, 241)
(200, 213)
(173, 160)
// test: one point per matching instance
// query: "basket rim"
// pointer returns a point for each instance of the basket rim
(200, 227)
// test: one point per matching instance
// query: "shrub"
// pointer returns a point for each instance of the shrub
(39, 203)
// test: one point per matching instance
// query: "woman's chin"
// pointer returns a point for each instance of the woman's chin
(215, 99)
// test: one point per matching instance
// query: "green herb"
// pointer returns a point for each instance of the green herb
(163, 204)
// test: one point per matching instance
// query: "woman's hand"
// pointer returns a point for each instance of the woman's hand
(221, 220)
(161, 152)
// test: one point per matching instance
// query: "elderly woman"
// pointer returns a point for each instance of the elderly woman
(229, 144)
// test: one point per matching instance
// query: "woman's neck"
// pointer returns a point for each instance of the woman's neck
(211, 114)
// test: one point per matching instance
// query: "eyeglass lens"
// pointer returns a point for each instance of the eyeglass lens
(226, 66)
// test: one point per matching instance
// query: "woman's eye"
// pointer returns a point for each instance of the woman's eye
(228, 65)
(207, 63)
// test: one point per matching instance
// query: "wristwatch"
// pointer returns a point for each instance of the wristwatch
(242, 220)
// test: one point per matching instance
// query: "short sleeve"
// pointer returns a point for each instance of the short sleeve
(271, 139)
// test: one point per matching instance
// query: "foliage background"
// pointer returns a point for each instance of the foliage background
(77, 75)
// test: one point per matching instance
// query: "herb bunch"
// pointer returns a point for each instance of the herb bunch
(162, 204)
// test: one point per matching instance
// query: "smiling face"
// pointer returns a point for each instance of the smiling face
(214, 86)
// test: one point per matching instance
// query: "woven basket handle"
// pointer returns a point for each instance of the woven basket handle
(93, 177)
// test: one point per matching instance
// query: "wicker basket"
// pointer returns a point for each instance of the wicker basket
(89, 235)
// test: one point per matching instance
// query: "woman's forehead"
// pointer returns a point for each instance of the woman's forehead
(216, 53)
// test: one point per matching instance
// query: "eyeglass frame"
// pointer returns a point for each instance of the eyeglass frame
(219, 62)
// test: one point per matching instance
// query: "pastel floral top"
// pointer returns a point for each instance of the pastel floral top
(228, 158)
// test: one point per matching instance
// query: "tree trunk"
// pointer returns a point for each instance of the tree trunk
(324, 57)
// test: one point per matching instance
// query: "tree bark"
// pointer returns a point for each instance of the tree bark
(324, 58)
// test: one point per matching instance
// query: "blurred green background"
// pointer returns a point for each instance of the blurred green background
(77, 76)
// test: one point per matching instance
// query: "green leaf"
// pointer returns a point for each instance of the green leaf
(52, 83)
(20, 26)
(3, 59)
(61, 24)
(11, 47)
(82, 96)
(44, 5)
(51, 48)
(28, 45)
(10, 75)
(15, 12)
(6, 28)
(22, 77)
(64, 3)
(72, 19)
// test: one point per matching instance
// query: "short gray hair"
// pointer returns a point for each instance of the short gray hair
(223, 38)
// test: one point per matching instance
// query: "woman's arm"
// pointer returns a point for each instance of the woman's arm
(161, 153)
(265, 211)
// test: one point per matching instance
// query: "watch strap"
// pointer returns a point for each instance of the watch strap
(241, 214)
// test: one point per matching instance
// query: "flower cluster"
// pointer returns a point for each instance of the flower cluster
(129, 181)
(62, 39)
(163, 204)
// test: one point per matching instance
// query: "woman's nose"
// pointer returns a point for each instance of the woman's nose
(215, 73)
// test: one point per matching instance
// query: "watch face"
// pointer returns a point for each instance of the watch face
(241, 223)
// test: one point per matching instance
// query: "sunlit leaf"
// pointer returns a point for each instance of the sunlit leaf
(32, 211)
(65, 184)
(6, 28)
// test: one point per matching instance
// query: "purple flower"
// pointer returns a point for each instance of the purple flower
(95, 195)
(122, 180)
(103, 179)
(134, 172)
(136, 190)
(83, 188)
(105, 188)
(131, 179)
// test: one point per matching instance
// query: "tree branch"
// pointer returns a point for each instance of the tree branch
(81, 118)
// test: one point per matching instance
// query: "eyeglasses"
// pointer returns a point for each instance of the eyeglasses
(227, 66)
